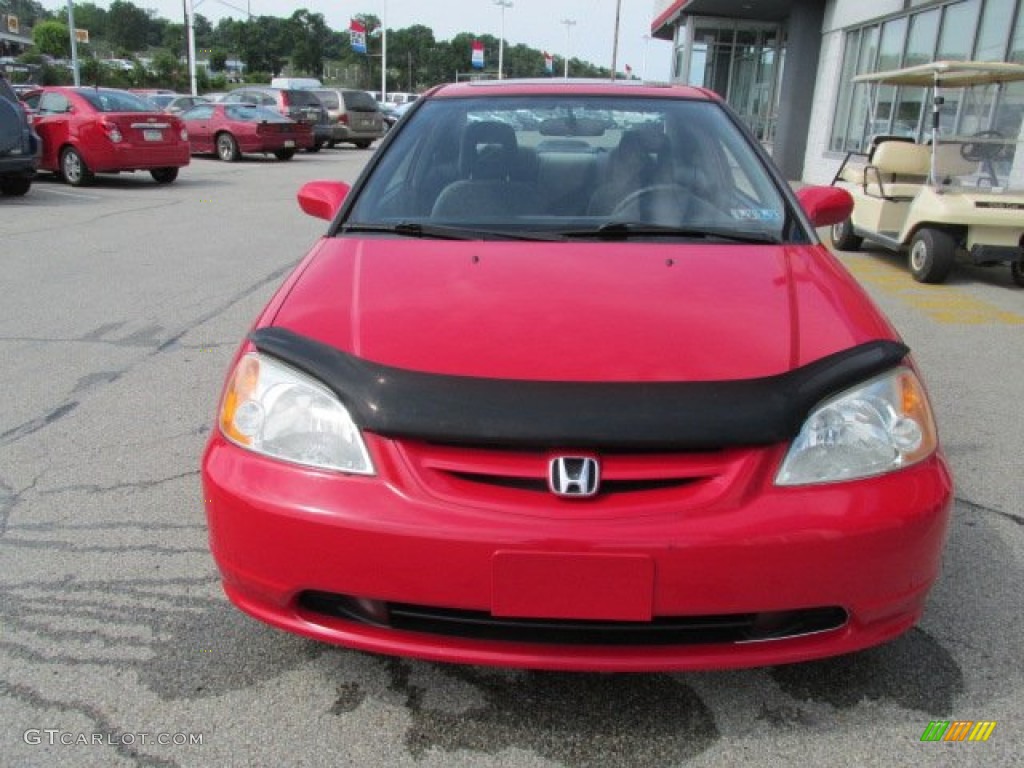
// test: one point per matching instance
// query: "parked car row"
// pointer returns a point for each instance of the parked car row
(77, 132)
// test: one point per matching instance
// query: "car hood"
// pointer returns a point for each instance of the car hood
(615, 312)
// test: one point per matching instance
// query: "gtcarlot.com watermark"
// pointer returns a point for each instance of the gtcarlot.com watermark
(57, 737)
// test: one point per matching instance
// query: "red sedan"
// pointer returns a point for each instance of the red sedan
(583, 392)
(86, 131)
(229, 130)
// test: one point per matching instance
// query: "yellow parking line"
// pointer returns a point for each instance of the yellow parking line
(943, 303)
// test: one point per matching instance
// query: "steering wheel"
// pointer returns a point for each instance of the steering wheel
(978, 151)
(655, 204)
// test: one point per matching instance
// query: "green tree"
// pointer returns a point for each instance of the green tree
(218, 59)
(91, 17)
(52, 38)
(309, 37)
(127, 26)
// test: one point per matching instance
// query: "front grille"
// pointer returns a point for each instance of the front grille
(665, 630)
(631, 483)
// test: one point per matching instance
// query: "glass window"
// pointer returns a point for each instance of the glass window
(921, 39)
(53, 104)
(995, 23)
(199, 112)
(958, 23)
(579, 164)
(1017, 42)
(845, 101)
(105, 100)
(860, 108)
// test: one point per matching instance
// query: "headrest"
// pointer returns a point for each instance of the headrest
(488, 150)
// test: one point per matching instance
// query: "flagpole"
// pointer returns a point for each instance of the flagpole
(503, 4)
(384, 52)
(569, 24)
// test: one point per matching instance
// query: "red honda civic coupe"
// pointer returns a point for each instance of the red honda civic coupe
(86, 131)
(571, 383)
(229, 130)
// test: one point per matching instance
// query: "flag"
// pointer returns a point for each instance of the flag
(357, 34)
(549, 63)
(478, 55)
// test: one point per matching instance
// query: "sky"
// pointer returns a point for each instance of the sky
(535, 23)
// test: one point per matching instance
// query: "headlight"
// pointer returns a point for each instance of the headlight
(879, 426)
(273, 409)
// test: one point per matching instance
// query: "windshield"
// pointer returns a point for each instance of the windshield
(572, 165)
(979, 147)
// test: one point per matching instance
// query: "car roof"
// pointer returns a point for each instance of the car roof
(570, 87)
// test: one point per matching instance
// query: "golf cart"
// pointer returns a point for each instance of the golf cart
(957, 196)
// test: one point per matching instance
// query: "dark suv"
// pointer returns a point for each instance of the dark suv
(19, 146)
(301, 106)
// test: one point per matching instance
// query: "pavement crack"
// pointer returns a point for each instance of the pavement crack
(92, 488)
(1018, 519)
(34, 425)
(101, 723)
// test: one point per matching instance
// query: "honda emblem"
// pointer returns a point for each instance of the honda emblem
(574, 477)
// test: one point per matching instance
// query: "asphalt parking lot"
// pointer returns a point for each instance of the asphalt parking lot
(121, 306)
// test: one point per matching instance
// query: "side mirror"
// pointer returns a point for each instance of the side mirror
(825, 206)
(322, 199)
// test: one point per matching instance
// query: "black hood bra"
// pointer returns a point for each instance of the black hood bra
(398, 403)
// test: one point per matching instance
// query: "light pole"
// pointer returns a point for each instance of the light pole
(643, 70)
(74, 45)
(503, 4)
(569, 24)
(615, 41)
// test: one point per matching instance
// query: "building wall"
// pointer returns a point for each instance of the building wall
(819, 168)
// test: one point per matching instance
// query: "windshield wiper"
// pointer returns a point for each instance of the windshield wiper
(620, 230)
(443, 232)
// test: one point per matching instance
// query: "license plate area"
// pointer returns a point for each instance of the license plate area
(151, 134)
(289, 143)
(543, 585)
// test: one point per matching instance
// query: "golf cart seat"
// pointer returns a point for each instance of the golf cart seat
(896, 170)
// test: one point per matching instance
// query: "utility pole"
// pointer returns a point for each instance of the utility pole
(615, 43)
(74, 43)
(569, 24)
(503, 4)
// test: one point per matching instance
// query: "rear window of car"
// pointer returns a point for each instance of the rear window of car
(359, 101)
(115, 101)
(297, 98)
(251, 113)
(328, 98)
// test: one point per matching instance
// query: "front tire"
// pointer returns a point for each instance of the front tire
(932, 255)
(227, 148)
(843, 238)
(317, 146)
(1017, 272)
(73, 168)
(363, 144)
(284, 154)
(164, 175)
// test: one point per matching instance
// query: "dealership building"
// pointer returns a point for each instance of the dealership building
(786, 66)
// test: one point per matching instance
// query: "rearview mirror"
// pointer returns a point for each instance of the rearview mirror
(322, 199)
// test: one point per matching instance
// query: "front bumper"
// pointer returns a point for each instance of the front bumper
(281, 533)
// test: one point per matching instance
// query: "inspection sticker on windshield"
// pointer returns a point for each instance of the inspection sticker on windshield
(756, 214)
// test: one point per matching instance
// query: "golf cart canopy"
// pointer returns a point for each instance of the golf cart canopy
(948, 74)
